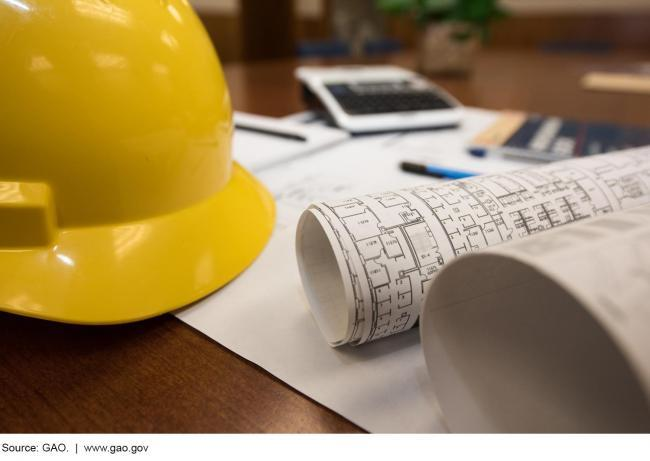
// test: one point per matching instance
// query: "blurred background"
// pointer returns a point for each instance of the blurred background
(247, 30)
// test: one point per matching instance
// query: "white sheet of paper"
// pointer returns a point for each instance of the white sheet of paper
(261, 142)
(263, 314)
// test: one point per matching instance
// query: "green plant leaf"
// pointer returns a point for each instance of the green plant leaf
(477, 12)
(437, 6)
(396, 6)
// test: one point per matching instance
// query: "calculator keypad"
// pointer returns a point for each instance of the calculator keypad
(386, 97)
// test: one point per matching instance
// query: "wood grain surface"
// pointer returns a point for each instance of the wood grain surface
(153, 376)
(162, 376)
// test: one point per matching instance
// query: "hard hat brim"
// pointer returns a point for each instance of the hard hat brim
(132, 271)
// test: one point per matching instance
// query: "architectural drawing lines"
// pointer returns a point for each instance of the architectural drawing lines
(397, 241)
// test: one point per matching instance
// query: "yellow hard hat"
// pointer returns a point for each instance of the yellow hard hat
(118, 196)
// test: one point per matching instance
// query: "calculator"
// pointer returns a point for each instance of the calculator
(363, 99)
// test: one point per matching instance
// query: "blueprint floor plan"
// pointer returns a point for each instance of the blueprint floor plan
(390, 245)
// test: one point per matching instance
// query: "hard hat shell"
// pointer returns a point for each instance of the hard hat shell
(118, 196)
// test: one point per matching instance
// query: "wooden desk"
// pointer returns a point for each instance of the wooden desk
(515, 79)
(162, 376)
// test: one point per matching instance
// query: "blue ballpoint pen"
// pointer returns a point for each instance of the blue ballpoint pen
(436, 171)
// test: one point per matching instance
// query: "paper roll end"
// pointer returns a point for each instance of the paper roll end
(322, 278)
(518, 353)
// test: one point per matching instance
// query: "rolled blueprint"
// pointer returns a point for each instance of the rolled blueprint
(550, 333)
(366, 262)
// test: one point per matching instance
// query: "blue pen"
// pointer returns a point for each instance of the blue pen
(436, 171)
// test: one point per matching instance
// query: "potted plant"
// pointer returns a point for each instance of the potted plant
(450, 30)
